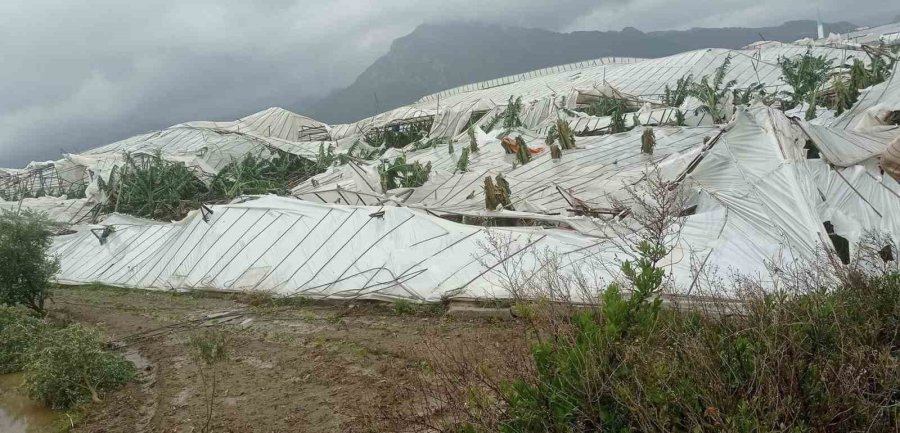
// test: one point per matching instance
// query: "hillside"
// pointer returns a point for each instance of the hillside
(435, 57)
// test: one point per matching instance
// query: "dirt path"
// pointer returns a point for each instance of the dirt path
(308, 368)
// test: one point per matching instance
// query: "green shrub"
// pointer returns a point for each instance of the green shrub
(26, 269)
(18, 332)
(69, 365)
(149, 186)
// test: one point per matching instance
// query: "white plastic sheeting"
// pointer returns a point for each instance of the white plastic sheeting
(594, 173)
(856, 200)
(753, 203)
(291, 247)
(845, 147)
(59, 209)
(758, 203)
(271, 122)
(543, 90)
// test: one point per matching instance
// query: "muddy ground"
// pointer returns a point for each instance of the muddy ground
(307, 367)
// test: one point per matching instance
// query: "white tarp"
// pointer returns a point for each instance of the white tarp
(291, 247)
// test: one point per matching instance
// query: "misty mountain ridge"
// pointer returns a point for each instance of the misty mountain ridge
(436, 57)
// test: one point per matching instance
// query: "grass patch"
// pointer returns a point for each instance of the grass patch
(266, 299)
(403, 307)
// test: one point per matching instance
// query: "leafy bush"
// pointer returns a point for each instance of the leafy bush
(68, 365)
(397, 136)
(26, 269)
(846, 89)
(18, 330)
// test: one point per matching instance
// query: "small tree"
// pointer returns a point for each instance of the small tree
(806, 75)
(473, 142)
(462, 165)
(511, 118)
(209, 349)
(675, 97)
(26, 269)
(711, 92)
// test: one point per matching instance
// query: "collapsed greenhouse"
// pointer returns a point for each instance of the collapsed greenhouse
(449, 196)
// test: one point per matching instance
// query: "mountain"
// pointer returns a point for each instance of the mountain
(436, 57)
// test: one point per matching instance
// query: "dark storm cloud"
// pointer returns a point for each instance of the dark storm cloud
(76, 75)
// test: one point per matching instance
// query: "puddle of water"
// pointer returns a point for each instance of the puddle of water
(18, 414)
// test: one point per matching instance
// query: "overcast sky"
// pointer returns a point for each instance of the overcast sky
(75, 75)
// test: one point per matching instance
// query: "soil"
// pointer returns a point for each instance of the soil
(312, 367)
